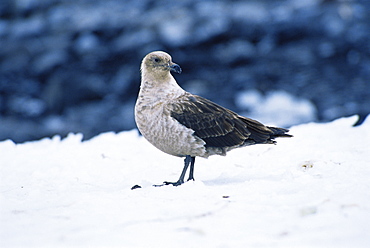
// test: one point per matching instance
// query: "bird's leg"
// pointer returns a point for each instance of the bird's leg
(188, 159)
(191, 172)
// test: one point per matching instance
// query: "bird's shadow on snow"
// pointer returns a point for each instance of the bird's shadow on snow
(225, 179)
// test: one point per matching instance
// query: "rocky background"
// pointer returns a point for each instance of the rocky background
(73, 65)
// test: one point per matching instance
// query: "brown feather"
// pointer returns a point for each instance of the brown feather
(218, 126)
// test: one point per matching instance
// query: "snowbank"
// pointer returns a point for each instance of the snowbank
(312, 190)
(278, 107)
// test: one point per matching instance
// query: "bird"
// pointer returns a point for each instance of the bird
(187, 125)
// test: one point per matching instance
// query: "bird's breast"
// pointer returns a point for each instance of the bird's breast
(164, 132)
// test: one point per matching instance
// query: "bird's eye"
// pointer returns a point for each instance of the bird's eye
(157, 60)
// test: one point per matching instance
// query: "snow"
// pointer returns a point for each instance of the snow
(277, 107)
(312, 190)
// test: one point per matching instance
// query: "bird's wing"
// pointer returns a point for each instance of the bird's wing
(216, 125)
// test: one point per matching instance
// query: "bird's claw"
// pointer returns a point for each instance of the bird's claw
(178, 183)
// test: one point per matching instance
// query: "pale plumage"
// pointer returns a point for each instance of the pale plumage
(186, 125)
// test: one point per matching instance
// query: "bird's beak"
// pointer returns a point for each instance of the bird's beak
(175, 67)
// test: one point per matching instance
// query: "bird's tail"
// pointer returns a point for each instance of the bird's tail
(279, 132)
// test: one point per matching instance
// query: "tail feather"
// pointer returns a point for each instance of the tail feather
(262, 134)
(279, 132)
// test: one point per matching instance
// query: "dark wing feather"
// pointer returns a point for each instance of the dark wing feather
(216, 125)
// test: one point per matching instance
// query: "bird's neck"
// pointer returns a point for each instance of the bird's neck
(156, 89)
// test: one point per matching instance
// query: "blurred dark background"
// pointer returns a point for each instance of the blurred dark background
(73, 65)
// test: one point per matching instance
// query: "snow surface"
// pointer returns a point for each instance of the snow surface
(312, 190)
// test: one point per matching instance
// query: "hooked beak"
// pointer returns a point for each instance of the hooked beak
(176, 68)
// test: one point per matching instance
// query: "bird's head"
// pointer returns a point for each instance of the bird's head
(159, 63)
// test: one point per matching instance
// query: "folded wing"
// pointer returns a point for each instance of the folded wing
(218, 126)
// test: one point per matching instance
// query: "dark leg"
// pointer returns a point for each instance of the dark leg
(191, 172)
(187, 161)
